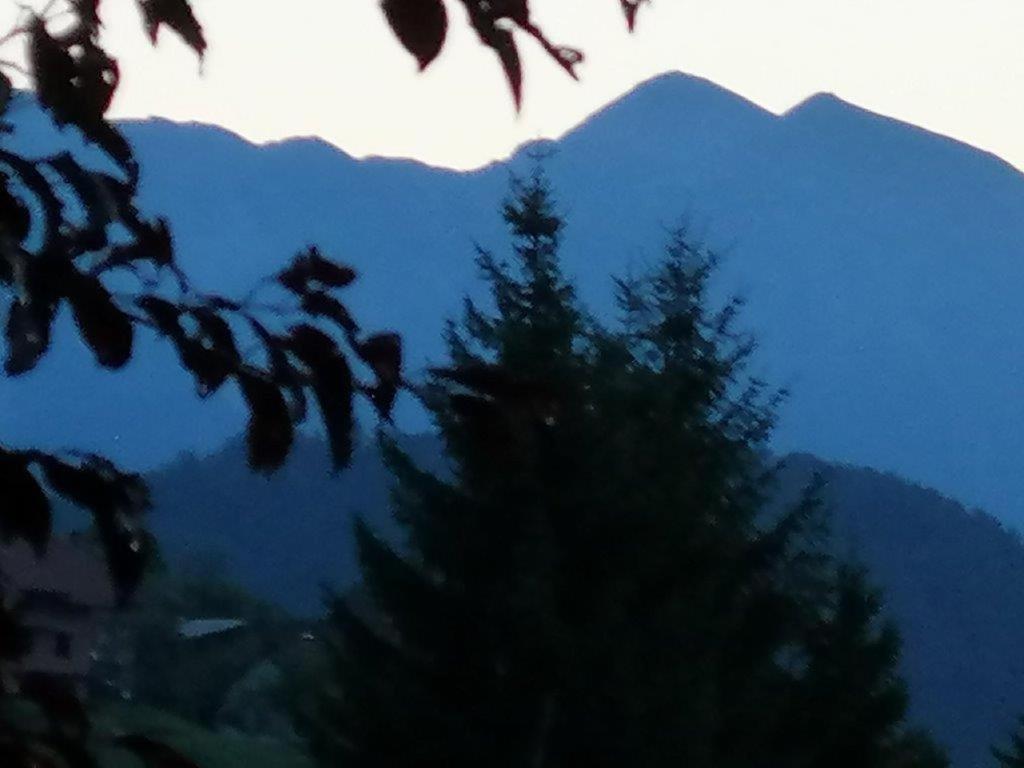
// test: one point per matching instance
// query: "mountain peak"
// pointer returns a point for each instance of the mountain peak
(671, 108)
(827, 111)
(846, 128)
(820, 101)
(674, 89)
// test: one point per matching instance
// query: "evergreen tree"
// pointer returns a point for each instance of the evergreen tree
(597, 581)
(457, 663)
(848, 703)
(1014, 756)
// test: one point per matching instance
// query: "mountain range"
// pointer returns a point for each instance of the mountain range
(881, 265)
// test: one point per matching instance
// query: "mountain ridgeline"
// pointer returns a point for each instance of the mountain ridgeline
(881, 264)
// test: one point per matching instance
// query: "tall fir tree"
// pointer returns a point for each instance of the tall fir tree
(459, 664)
(597, 580)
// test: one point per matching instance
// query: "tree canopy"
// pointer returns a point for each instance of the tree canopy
(598, 580)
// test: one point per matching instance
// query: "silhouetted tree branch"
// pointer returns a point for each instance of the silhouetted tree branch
(73, 236)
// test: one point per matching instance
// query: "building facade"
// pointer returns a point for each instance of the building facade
(64, 599)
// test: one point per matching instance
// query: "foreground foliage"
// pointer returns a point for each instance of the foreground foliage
(203, 746)
(74, 239)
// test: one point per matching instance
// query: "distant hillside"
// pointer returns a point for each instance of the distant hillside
(953, 579)
(280, 536)
(882, 264)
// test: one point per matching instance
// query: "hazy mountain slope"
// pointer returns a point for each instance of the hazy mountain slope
(882, 265)
(953, 579)
(280, 536)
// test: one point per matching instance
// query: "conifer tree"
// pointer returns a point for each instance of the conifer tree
(456, 667)
(597, 581)
(1013, 757)
(849, 703)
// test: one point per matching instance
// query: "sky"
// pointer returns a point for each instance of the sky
(331, 68)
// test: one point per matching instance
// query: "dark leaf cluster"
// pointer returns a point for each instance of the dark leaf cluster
(422, 26)
(72, 236)
(74, 240)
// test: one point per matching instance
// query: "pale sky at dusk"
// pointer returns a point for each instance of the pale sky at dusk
(331, 68)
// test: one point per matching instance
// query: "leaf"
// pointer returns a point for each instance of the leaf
(320, 304)
(419, 25)
(211, 359)
(15, 219)
(120, 196)
(157, 242)
(88, 13)
(332, 385)
(97, 485)
(209, 368)
(152, 753)
(630, 8)
(383, 353)
(96, 79)
(281, 370)
(53, 209)
(219, 334)
(489, 22)
(311, 266)
(493, 21)
(77, 88)
(28, 334)
(176, 14)
(98, 215)
(116, 500)
(110, 140)
(295, 278)
(6, 90)
(105, 327)
(270, 433)
(165, 315)
(327, 272)
(153, 242)
(505, 46)
(25, 513)
(53, 69)
(83, 486)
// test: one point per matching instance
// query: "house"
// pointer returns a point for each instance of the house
(64, 598)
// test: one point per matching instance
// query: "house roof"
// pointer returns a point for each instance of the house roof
(193, 628)
(66, 569)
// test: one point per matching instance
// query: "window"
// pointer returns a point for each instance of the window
(62, 646)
